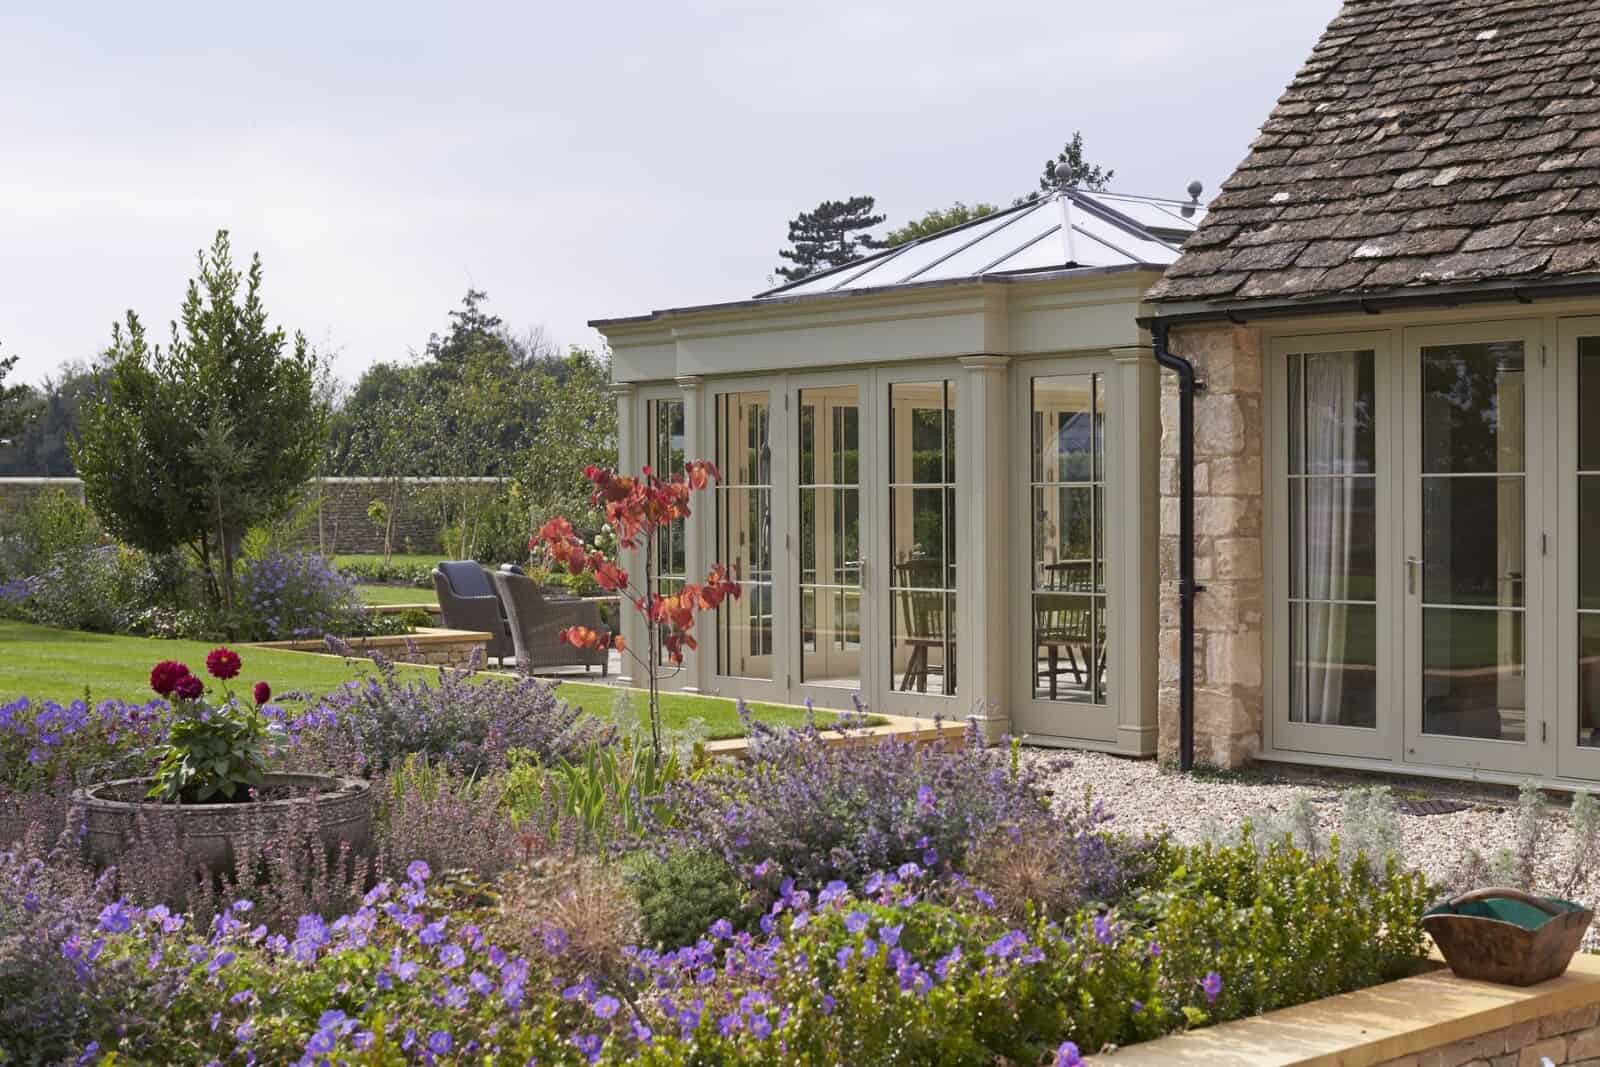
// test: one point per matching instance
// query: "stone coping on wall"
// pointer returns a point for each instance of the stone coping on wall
(900, 727)
(1433, 1019)
(422, 637)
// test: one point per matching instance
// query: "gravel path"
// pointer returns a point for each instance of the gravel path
(1144, 799)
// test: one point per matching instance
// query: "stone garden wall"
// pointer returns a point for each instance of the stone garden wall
(333, 518)
(1433, 1019)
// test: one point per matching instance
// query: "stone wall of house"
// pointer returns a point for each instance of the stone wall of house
(333, 517)
(1229, 614)
(1568, 1039)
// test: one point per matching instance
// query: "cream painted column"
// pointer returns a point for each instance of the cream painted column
(630, 457)
(1132, 525)
(986, 542)
(698, 531)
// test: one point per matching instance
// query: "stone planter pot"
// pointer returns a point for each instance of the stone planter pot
(110, 811)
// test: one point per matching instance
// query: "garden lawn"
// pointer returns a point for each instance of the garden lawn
(49, 664)
(395, 594)
(399, 559)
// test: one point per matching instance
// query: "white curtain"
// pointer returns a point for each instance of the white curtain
(1332, 384)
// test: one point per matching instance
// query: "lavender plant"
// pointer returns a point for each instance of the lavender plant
(818, 813)
(470, 724)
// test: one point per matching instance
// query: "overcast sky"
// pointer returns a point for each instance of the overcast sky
(576, 160)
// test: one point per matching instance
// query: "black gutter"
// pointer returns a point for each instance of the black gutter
(1186, 584)
(1521, 291)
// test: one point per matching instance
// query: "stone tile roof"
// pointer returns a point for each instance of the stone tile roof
(1424, 143)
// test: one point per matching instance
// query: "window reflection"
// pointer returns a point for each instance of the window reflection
(1067, 493)
(1473, 531)
(830, 536)
(1332, 489)
(922, 535)
(1589, 541)
(665, 448)
(744, 532)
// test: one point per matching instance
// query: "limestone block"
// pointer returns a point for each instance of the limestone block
(1585, 1044)
(1553, 1047)
(1227, 516)
(1239, 557)
(1577, 1019)
(1465, 1051)
(1219, 425)
(1525, 1033)
(1236, 475)
(1235, 658)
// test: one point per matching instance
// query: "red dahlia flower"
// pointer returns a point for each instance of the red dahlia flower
(222, 663)
(189, 687)
(164, 676)
(262, 692)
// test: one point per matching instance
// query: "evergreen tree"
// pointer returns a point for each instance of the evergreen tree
(937, 221)
(829, 236)
(1080, 172)
(194, 444)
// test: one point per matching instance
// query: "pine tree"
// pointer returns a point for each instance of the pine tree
(1079, 171)
(829, 236)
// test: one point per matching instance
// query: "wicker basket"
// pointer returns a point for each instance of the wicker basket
(1507, 936)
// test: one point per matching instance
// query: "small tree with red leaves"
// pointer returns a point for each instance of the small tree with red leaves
(638, 510)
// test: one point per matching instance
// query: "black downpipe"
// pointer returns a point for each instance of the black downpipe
(1186, 584)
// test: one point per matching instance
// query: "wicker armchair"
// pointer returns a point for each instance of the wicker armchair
(537, 618)
(468, 602)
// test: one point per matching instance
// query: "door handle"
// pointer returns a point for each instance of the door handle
(1413, 565)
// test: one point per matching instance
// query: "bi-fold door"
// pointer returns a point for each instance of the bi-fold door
(1435, 567)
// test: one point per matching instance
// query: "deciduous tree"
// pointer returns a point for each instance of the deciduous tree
(937, 221)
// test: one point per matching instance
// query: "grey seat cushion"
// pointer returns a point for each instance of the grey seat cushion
(466, 578)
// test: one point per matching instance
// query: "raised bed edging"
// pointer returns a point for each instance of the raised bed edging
(1430, 1020)
(431, 646)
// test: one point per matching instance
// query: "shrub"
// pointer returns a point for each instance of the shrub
(97, 588)
(683, 891)
(368, 726)
(49, 524)
(374, 569)
(814, 812)
(288, 595)
(1257, 915)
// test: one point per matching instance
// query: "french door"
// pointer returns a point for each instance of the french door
(832, 433)
(1577, 548)
(1436, 569)
(837, 509)
(1474, 594)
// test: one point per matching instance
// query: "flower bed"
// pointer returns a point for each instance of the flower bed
(539, 885)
